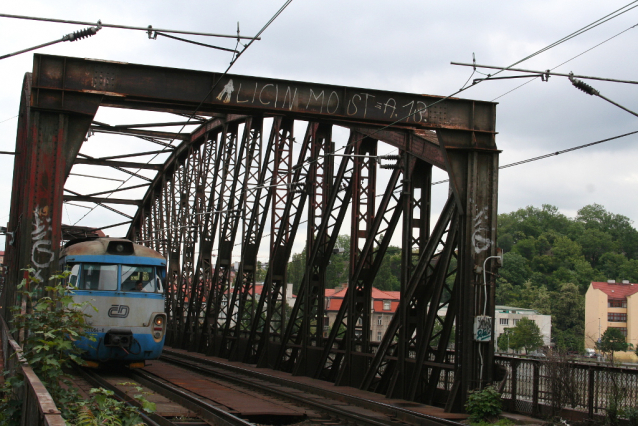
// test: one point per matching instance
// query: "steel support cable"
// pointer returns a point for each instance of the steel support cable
(576, 33)
(552, 154)
(194, 42)
(77, 35)
(7, 119)
(569, 60)
(122, 27)
(591, 91)
(194, 114)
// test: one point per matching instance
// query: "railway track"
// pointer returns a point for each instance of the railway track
(346, 408)
(190, 409)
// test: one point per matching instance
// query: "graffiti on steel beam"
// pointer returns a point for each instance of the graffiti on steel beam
(480, 240)
(326, 100)
(226, 93)
(41, 253)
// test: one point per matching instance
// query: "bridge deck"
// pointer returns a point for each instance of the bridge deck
(321, 385)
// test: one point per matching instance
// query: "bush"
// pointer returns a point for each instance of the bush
(483, 404)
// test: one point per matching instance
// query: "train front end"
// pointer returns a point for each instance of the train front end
(125, 283)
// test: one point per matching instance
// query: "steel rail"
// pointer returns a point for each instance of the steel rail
(203, 409)
(96, 380)
(396, 413)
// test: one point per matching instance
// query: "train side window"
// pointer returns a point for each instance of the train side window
(73, 278)
(160, 282)
(139, 278)
(96, 276)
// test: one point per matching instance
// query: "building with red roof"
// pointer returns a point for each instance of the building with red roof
(384, 306)
(611, 304)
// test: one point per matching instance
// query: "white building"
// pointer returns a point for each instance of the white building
(508, 316)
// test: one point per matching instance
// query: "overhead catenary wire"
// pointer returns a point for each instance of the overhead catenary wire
(233, 61)
(606, 18)
(74, 36)
(123, 27)
(574, 34)
(569, 60)
(553, 154)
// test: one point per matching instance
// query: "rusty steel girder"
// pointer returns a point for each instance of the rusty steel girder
(222, 191)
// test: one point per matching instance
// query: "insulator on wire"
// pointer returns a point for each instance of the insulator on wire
(583, 86)
(78, 35)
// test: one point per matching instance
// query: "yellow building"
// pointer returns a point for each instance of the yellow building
(611, 304)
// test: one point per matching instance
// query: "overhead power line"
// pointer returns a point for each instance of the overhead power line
(77, 35)
(193, 115)
(126, 27)
(537, 73)
(591, 91)
(553, 154)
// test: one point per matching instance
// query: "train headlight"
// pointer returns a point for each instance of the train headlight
(119, 248)
(159, 321)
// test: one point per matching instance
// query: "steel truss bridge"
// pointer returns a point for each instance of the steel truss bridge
(242, 177)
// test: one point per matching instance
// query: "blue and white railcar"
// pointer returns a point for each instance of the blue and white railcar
(125, 282)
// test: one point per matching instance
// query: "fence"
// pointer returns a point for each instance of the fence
(531, 386)
(38, 408)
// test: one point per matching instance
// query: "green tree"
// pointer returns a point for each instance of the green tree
(595, 243)
(612, 341)
(389, 275)
(611, 265)
(568, 320)
(503, 341)
(296, 269)
(526, 335)
(515, 269)
(338, 269)
(260, 274)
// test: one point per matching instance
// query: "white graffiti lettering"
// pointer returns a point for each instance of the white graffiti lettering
(41, 253)
(226, 92)
(312, 95)
(480, 241)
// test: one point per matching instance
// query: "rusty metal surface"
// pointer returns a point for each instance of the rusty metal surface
(38, 408)
(225, 188)
(170, 89)
(237, 402)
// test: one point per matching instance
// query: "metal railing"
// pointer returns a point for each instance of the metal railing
(38, 408)
(530, 386)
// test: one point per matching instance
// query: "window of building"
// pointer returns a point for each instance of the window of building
(616, 317)
(504, 321)
(379, 320)
(623, 330)
(515, 322)
(617, 304)
(326, 321)
(379, 335)
(386, 305)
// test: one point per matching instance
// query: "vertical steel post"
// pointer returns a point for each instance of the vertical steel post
(46, 146)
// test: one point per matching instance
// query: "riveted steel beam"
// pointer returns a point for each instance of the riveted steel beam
(62, 82)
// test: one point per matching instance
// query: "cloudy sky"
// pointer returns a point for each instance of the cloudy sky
(390, 45)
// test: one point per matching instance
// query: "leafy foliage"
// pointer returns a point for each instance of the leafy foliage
(612, 341)
(483, 404)
(551, 259)
(103, 409)
(526, 335)
(49, 329)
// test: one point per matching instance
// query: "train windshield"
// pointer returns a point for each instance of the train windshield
(96, 276)
(141, 278)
